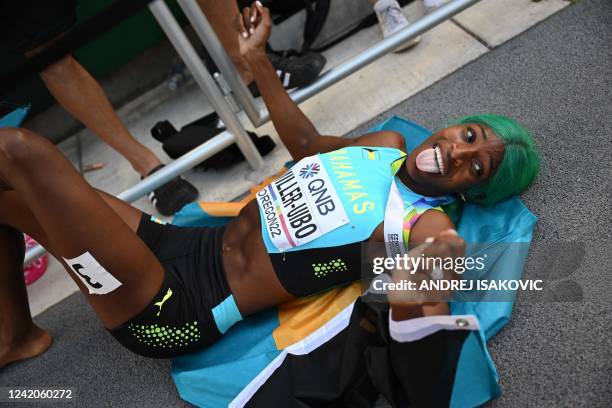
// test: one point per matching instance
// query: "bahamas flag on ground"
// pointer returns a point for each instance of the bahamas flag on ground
(12, 115)
(337, 349)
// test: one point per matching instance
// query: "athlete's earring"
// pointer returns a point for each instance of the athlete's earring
(463, 198)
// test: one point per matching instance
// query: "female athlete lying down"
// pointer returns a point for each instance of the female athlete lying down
(163, 290)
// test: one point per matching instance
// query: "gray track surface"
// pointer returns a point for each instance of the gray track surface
(556, 78)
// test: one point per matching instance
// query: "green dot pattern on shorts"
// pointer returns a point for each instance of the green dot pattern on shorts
(161, 336)
(322, 269)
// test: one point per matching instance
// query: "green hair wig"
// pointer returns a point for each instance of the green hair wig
(519, 166)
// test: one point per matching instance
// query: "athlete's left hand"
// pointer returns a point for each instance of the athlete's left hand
(253, 26)
(446, 245)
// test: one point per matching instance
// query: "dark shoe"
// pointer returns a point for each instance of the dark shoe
(172, 196)
(297, 71)
(294, 71)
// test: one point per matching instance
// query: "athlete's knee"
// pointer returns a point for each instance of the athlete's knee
(21, 145)
(10, 138)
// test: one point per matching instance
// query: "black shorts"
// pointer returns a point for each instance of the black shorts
(28, 24)
(194, 306)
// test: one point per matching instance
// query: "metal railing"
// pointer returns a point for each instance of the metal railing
(256, 114)
(215, 49)
(259, 115)
(235, 131)
(179, 40)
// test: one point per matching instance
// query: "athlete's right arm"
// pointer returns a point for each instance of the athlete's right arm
(295, 130)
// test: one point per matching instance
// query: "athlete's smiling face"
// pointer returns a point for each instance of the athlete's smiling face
(453, 160)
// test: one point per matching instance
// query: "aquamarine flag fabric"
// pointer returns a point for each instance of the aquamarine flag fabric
(215, 377)
(14, 118)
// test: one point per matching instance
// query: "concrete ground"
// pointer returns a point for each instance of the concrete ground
(556, 78)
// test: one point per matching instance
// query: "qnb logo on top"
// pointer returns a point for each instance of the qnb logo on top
(310, 170)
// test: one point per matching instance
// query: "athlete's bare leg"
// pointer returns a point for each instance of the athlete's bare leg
(53, 203)
(20, 338)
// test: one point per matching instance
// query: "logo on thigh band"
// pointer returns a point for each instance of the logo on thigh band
(97, 279)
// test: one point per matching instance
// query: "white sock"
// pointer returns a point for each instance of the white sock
(384, 4)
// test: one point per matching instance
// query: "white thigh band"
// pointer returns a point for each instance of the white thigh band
(97, 279)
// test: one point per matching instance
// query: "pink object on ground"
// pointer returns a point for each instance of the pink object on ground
(36, 268)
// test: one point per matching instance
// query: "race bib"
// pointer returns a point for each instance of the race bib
(93, 275)
(301, 205)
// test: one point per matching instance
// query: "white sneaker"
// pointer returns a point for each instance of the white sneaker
(391, 20)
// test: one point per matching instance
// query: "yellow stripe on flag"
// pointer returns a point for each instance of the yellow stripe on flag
(301, 317)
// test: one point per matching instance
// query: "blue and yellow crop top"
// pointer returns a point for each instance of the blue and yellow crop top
(317, 214)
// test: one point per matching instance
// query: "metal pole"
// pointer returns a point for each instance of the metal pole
(162, 176)
(179, 166)
(179, 40)
(217, 52)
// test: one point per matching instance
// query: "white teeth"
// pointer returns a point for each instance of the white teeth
(439, 159)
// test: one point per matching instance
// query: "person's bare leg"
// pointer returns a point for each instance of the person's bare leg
(74, 220)
(221, 15)
(20, 338)
(81, 95)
